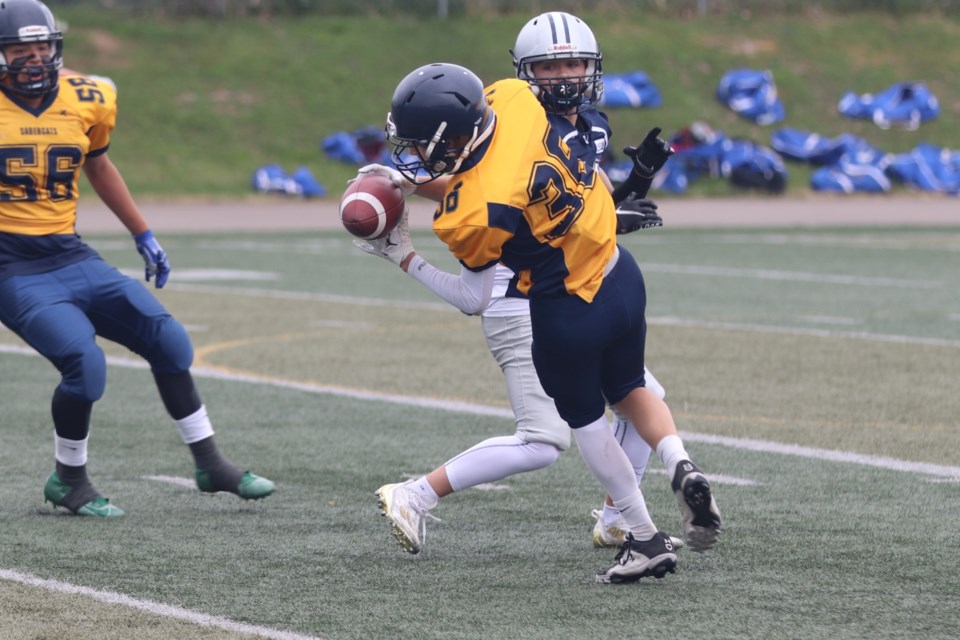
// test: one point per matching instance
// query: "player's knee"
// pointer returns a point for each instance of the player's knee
(542, 454)
(172, 351)
(85, 373)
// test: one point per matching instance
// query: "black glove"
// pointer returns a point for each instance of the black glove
(652, 154)
(633, 214)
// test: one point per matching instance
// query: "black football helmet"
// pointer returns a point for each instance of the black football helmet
(438, 116)
(30, 21)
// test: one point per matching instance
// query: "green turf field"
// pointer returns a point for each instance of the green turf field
(812, 372)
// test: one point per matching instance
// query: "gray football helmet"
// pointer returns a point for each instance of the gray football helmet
(558, 36)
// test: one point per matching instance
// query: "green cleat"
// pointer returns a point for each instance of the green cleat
(251, 487)
(55, 492)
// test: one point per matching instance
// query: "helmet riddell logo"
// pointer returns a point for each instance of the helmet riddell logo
(34, 31)
(559, 48)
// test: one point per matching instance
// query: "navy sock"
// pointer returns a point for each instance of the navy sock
(81, 491)
(223, 474)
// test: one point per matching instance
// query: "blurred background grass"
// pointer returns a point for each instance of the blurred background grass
(211, 90)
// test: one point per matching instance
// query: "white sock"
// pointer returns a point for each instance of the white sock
(496, 458)
(636, 448)
(604, 457)
(196, 426)
(72, 453)
(422, 488)
(610, 514)
(671, 452)
(633, 508)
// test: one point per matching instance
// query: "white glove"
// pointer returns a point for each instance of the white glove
(395, 246)
(388, 172)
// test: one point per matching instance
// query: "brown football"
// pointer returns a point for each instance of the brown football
(371, 206)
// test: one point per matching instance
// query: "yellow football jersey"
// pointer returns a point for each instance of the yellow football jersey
(43, 149)
(523, 199)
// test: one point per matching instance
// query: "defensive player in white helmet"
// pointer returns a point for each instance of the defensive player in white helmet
(558, 55)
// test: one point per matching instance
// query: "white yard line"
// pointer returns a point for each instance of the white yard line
(941, 471)
(790, 276)
(155, 608)
(802, 331)
(655, 320)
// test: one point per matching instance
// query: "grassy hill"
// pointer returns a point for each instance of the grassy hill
(204, 102)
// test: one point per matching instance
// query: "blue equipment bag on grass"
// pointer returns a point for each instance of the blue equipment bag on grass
(849, 178)
(752, 94)
(633, 89)
(928, 168)
(753, 166)
(796, 144)
(309, 186)
(905, 105)
(271, 178)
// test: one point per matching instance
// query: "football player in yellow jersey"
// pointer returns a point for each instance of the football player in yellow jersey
(519, 196)
(558, 55)
(56, 292)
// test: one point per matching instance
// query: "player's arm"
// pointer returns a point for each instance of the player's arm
(109, 184)
(647, 158)
(605, 179)
(470, 291)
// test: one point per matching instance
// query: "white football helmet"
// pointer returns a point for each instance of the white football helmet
(557, 36)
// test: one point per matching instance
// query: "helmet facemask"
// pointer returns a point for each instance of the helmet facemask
(26, 22)
(435, 157)
(41, 78)
(566, 95)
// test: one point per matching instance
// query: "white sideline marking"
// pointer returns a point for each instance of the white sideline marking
(830, 320)
(882, 462)
(718, 478)
(660, 320)
(194, 275)
(182, 482)
(343, 324)
(155, 608)
(316, 297)
(792, 276)
(803, 331)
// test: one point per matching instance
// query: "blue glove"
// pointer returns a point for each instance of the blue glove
(154, 258)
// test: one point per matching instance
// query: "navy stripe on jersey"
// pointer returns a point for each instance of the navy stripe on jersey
(523, 251)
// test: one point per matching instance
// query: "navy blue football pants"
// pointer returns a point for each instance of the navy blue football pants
(59, 313)
(589, 353)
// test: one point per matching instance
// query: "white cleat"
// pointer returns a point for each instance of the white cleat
(406, 512)
(609, 536)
